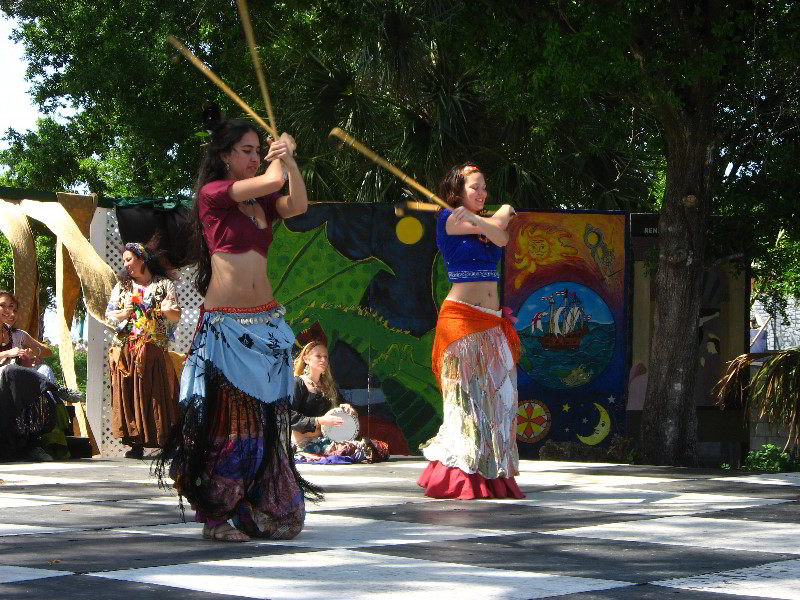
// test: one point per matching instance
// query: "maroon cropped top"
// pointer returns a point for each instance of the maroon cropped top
(226, 228)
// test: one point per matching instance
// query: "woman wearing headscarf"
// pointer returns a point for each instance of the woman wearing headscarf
(144, 385)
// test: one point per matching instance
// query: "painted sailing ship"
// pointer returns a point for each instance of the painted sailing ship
(566, 322)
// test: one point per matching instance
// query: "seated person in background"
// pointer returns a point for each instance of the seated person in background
(32, 415)
(314, 395)
(16, 346)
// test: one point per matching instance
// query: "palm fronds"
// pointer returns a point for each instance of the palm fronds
(773, 393)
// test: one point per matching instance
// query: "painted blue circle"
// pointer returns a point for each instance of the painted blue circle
(547, 358)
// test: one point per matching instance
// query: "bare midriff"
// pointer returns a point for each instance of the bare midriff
(479, 293)
(238, 281)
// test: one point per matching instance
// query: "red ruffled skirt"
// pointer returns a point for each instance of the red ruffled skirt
(440, 481)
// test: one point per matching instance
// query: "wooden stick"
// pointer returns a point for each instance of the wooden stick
(400, 208)
(356, 145)
(421, 206)
(244, 15)
(219, 83)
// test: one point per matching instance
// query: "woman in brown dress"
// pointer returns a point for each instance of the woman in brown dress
(144, 385)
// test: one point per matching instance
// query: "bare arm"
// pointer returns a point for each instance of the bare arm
(503, 216)
(120, 315)
(464, 222)
(262, 185)
(172, 314)
(296, 202)
(14, 352)
(39, 349)
(169, 306)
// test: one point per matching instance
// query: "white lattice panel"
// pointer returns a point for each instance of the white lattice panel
(190, 302)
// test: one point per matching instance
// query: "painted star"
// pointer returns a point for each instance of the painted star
(585, 421)
(611, 399)
(565, 407)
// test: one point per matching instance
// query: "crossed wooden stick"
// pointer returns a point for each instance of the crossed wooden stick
(336, 132)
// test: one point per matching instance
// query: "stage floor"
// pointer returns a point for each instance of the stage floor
(101, 528)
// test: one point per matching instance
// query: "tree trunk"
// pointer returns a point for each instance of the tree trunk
(669, 420)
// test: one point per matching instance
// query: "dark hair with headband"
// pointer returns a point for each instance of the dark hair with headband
(153, 258)
(451, 188)
(225, 134)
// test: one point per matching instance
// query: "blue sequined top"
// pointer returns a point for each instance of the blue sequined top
(468, 258)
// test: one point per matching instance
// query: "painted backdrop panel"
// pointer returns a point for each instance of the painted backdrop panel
(372, 282)
(565, 278)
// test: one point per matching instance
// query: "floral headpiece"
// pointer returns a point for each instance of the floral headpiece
(469, 170)
(139, 250)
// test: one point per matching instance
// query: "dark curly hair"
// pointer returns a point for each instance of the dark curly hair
(156, 261)
(451, 187)
(224, 135)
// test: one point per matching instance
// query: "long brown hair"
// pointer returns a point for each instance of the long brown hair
(224, 135)
(326, 382)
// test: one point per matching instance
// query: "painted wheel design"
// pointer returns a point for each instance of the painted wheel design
(533, 421)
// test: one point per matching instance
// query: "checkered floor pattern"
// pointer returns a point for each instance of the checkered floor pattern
(100, 529)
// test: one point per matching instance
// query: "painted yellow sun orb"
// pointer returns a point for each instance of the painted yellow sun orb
(409, 230)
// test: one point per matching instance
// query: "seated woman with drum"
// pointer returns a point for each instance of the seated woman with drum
(315, 398)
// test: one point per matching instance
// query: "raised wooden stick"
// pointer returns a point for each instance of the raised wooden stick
(356, 145)
(244, 15)
(421, 206)
(219, 83)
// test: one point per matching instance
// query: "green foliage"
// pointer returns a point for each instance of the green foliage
(45, 243)
(80, 367)
(49, 158)
(772, 459)
(389, 72)
(303, 268)
(773, 393)
(318, 285)
(6, 264)
(440, 284)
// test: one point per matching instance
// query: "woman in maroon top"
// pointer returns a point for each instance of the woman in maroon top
(231, 454)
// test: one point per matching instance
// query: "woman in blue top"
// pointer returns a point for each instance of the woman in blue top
(474, 453)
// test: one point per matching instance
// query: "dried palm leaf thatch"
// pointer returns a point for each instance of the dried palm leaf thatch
(773, 393)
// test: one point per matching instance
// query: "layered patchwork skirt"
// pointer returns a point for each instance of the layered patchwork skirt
(230, 455)
(474, 454)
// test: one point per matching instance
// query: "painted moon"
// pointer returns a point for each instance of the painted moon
(601, 429)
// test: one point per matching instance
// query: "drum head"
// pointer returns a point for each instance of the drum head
(341, 433)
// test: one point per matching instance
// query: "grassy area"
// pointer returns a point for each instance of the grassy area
(80, 367)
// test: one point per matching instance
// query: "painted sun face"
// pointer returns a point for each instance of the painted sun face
(540, 246)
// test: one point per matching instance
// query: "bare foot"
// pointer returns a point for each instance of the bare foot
(224, 533)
